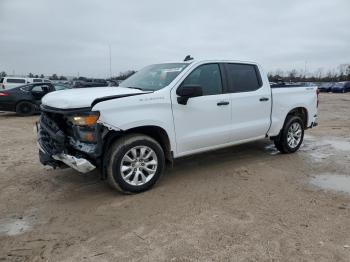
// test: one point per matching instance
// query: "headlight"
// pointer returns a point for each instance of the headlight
(87, 119)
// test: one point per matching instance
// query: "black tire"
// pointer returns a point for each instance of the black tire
(281, 141)
(25, 108)
(115, 156)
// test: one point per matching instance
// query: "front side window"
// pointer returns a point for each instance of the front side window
(208, 77)
(16, 80)
(242, 78)
(154, 77)
(61, 87)
(37, 80)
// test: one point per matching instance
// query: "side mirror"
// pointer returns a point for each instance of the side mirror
(185, 92)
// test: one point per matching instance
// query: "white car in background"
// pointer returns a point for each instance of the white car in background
(12, 82)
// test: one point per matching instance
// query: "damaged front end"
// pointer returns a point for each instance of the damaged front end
(69, 138)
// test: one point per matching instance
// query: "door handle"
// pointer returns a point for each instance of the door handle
(223, 103)
(263, 99)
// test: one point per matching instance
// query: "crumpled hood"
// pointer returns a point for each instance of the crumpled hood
(83, 97)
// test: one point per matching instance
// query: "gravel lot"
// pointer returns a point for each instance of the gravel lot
(244, 203)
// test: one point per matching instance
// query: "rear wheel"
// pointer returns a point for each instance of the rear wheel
(291, 136)
(25, 108)
(134, 163)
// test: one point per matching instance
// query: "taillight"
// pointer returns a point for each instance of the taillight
(318, 92)
(4, 94)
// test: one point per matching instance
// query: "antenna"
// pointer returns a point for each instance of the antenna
(188, 58)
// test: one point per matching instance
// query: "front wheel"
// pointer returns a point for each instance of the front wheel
(134, 163)
(291, 136)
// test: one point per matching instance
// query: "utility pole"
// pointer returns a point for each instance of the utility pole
(110, 61)
(305, 68)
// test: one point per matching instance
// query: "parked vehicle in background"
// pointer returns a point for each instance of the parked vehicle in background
(38, 80)
(11, 82)
(308, 84)
(83, 83)
(326, 87)
(167, 111)
(341, 87)
(112, 83)
(26, 99)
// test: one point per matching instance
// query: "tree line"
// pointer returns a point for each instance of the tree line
(341, 74)
(121, 76)
(31, 75)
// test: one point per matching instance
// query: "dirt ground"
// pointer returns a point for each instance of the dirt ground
(244, 203)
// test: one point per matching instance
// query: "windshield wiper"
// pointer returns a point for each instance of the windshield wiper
(139, 88)
(134, 87)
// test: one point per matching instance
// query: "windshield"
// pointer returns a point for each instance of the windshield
(338, 84)
(154, 77)
(326, 84)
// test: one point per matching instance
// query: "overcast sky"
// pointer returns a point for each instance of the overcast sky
(72, 36)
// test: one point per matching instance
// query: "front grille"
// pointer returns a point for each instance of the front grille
(50, 137)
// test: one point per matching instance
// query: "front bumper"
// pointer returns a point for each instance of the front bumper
(53, 147)
(80, 164)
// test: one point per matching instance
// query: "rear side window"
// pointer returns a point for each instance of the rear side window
(16, 80)
(208, 77)
(1, 80)
(41, 88)
(37, 80)
(242, 78)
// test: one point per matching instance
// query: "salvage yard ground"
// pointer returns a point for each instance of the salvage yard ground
(244, 203)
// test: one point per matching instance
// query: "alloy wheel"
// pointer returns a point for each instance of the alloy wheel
(139, 165)
(294, 135)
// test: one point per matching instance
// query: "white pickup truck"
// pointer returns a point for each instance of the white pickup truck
(166, 111)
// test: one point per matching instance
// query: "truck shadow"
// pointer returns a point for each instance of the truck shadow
(192, 167)
(220, 160)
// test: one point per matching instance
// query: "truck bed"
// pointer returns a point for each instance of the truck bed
(287, 97)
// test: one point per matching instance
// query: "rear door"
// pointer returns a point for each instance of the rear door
(251, 101)
(205, 121)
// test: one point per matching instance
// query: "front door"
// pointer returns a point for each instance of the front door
(205, 121)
